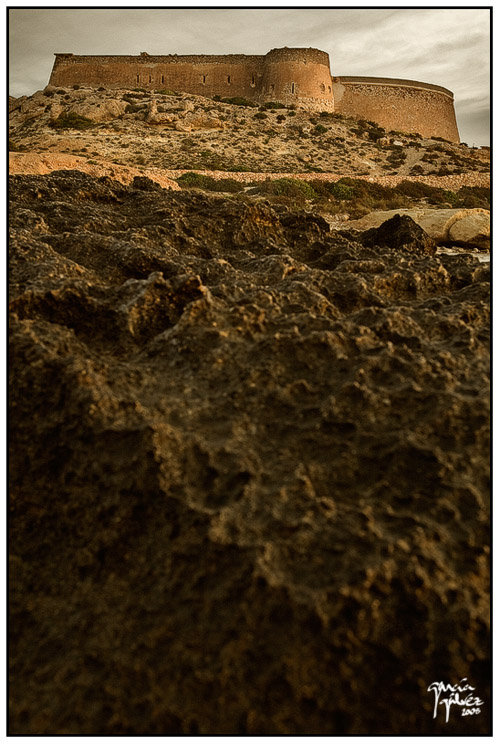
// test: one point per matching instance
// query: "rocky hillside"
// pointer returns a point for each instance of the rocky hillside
(178, 131)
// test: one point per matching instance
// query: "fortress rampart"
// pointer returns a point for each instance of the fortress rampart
(400, 105)
(289, 75)
(299, 76)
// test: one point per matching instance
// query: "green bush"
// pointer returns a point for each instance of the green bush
(360, 197)
(475, 196)
(375, 133)
(236, 101)
(274, 105)
(260, 115)
(207, 183)
(291, 187)
(320, 129)
(414, 189)
(130, 97)
(70, 120)
(341, 191)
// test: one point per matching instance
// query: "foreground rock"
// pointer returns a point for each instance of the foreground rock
(249, 472)
(467, 227)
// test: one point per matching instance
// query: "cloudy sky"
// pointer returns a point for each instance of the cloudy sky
(448, 47)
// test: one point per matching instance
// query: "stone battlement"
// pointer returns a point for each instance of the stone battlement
(298, 76)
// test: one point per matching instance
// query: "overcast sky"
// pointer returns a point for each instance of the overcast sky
(448, 47)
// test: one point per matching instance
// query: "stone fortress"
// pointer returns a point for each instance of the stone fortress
(290, 76)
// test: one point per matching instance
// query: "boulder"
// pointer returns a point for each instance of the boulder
(181, 127)
(203, 122)
(99, 109)
(153, 116)
(443, 225)
(399, 233)
(471, 229)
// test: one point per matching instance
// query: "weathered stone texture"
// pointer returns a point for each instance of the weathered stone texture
(291, 76)
(400, 105)
(299, 76)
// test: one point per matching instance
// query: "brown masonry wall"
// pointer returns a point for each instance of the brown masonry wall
(399, 105)
(291, 76)
(299, 76)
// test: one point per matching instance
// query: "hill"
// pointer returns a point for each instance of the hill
(172, 131)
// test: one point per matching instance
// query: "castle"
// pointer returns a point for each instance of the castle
(291, 76)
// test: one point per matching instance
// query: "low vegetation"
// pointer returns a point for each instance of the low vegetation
(355, 196)
(236, 101)
(207, 183)
(70, 120)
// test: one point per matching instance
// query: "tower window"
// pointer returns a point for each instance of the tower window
(229, 79)
(163, 78)
(253, 80)
(322, 87)
(293, 87)
(137, 79)
(203, 79)
(271, 88)
(150, 79)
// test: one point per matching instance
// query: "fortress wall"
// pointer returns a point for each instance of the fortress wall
(399, 105)
(296, 76)
(204, 75)
(291, 76)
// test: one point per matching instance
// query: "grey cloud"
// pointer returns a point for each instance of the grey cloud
(474, 127)
(448, 47)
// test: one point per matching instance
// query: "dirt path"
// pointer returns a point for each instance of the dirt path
(41, 163)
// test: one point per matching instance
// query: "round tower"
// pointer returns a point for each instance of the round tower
(398, 105)
(298, 76)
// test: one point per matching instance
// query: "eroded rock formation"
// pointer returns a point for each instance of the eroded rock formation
(249, 470)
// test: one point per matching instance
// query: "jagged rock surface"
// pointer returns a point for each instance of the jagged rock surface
(249, 470)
